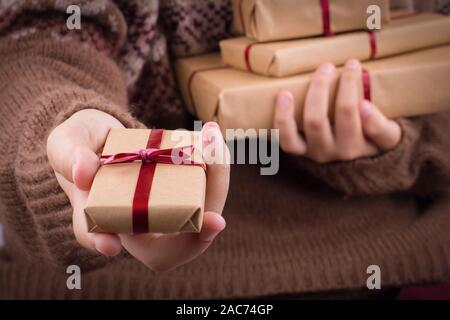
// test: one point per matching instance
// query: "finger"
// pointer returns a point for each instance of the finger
(384, 133)
(347, 119)
(218, 175)
(63, 146)
(213, 224)
(284, 120)
(317, 128)
(106, 244)
(169, 251)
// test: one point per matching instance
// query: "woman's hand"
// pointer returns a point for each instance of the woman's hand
(72, 151)
(359, 130)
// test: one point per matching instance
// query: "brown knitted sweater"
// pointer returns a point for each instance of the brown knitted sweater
(310, 228)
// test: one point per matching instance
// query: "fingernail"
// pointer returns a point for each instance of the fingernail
(366, 109)
(352, 64)
(212, 124)
(327, 68)
(284, 100)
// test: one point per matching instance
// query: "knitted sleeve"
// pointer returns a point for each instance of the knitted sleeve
(420, 164)
(43, 81)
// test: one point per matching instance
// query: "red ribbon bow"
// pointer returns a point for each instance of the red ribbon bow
(177, 156)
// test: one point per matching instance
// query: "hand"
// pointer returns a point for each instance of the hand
(71, 150)
(359, 130)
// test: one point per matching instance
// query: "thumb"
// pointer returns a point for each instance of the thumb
(72, 146)
(72, 155)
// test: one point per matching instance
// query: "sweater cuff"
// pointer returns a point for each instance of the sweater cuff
(392, 171)
(48, 212)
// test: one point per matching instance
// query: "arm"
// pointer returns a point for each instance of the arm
(58, 101)
(363, 152)
(43, 83)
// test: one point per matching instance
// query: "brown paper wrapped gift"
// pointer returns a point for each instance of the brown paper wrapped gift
(268, 20)
(118, 201)
(285, 58)
(402, 86)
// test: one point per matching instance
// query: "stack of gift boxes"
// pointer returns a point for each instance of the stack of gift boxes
(406, 63)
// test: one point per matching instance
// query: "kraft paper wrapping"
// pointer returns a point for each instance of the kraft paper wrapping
(402, 86)
(269, 20)
(177, 194)
(402, 13)
(285, 58)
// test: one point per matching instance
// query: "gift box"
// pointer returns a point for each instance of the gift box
(403, 13)
(285, 58)
(149, 181)
(401, 86)
(268, 20)
(402, 4)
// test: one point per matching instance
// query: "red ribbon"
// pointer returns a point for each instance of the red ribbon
(367, 86)
(247, 56)
(150, 157)
(373, 45)
(326, 17)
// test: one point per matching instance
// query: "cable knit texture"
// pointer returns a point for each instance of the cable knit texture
(419, 164)
(193, 27)
(310, 228)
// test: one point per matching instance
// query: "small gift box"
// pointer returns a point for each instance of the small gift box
(268, 20)
(149, 181)
(408, 85)
(285, 58)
